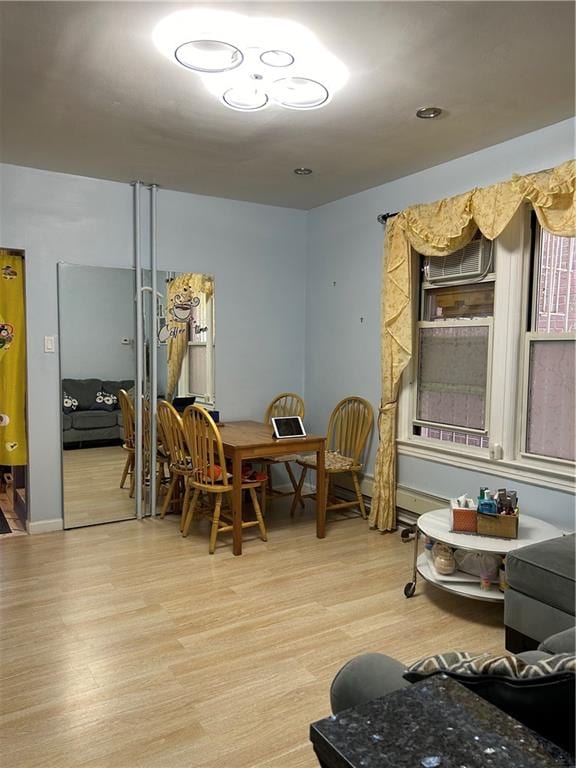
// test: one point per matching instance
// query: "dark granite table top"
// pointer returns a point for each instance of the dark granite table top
(436, 722)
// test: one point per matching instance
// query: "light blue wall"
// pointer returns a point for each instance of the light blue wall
(56, 217)
(291, 288)
(257, 254)
(345, 247)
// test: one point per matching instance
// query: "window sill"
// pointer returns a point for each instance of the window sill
(479, 460)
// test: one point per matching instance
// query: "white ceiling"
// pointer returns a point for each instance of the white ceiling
(85, 91)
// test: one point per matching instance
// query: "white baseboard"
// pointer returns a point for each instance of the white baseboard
(410, 504)
(344, 482)
(45, 526)
(418, 502)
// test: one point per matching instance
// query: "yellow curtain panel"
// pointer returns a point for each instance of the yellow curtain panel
(182, 293)
(438, 229)
(12, 360)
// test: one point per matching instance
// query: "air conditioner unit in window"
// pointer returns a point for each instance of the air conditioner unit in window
(474, 260)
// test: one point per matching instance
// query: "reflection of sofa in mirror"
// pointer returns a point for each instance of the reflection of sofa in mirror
(91, 413)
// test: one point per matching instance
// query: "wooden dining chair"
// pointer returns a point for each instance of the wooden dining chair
(179, 461)
(155, 459)
(285, 404)
(211, 477)
(349, 426)
(127, 409)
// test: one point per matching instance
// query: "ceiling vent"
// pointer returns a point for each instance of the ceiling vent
(472, 261)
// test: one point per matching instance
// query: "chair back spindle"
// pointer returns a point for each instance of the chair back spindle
(285, 404)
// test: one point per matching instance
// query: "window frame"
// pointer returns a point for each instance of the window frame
(461, 323)
(529, 337)
(183, 389)
(530, 306)
(514, 256)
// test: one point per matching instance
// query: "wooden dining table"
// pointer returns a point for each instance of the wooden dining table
(244, 440)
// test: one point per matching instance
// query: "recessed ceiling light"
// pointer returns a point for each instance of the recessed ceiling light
(429, 113)
(302, 171)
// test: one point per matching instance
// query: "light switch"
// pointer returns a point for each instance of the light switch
(49, 344)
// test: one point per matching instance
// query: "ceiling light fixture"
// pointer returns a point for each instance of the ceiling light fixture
(210, 56)
(429, 113)
(250, 62)
(302, 171)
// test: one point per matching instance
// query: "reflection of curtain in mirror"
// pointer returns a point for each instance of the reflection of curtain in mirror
(12, 360)
(183, 293)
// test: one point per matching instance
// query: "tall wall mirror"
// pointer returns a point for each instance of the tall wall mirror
(97, 321)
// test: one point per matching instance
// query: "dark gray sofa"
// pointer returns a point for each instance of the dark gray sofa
(89, 421)
(540, 598)
(544, 703)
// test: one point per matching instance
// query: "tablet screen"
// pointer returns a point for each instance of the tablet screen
(288, 426)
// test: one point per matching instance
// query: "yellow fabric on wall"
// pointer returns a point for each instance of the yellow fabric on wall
(438, 229)
(12, 360)
(181, 293)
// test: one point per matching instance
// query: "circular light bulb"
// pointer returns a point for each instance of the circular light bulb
(245, 99)
(208, 56)
(299, 93)
(277, 58)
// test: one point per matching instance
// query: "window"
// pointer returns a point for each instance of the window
(550, 360)
(197, 376)
(492, 380)
(451, 396)
(454, 342)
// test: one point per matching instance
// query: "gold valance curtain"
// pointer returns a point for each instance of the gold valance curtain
(181, 294)
(438, 229)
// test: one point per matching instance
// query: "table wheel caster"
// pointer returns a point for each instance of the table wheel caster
(409, 589)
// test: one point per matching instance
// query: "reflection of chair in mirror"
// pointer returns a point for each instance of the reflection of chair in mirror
(210, 476)
(179, 463)
(153, 468)
(285, 404)
(127, 408)
(348, 430)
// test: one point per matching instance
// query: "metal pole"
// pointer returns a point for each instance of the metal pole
(153, 347)
(139, 387)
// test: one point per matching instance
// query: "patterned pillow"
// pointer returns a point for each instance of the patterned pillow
(539, 695)
(461, 663)
(105, 401)
(69, 403)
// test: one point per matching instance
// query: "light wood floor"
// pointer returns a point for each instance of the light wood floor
(127, 646)
(92, 492)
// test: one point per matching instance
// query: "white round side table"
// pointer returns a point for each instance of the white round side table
(436, 525)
